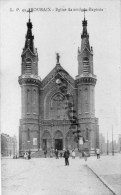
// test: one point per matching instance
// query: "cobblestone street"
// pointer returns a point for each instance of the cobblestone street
(49, 177)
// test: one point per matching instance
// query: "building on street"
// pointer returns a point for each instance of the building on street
(119, 142)
(8, 145)
(54, 108)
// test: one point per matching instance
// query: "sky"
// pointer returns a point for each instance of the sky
(59, 30)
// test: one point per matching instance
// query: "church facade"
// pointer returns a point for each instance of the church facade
(58, 111)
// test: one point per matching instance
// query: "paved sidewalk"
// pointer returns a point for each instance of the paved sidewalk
(108, 169)
(49, 176)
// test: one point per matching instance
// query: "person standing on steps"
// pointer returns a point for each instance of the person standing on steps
(56, 154)
(73, 154)
(45, 152)
(66, 156)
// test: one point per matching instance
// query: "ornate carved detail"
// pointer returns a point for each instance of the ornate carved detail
(29, 80)
(54, 122)
(86, 80)
(29, 121)
(58, 97)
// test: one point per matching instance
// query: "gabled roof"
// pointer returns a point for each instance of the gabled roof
(28, 49)
(84, 50)
(58, 69)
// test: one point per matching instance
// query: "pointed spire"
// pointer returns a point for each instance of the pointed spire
(85, 35)
(84, 10)
(84, 24)
(29, 37)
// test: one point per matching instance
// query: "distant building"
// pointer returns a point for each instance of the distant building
(119, 143)
(102, 143)
(112, 146)
(8, 145)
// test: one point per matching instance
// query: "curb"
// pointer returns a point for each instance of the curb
(103, 181)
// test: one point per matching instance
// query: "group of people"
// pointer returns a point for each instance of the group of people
(65, 154)
(59, 154)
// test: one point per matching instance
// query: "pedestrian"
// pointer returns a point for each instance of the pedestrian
(73, 154)
(85, 156)
(56, 154)
(29, 155)
(25, 155)
(66, 156)
(45, 152)
(61, 154)
(98, 153)
(51, 153)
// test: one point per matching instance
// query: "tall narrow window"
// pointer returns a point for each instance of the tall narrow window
(28, 65)
(34, 101)
(28, 135)
(87, 134)
(86, 99)
(85, 65)
(28, 100)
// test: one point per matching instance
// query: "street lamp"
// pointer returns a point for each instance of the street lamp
(112, 143)
(107, 143)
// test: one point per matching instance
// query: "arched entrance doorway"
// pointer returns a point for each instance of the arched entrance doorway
(58, 139)
(46, 140)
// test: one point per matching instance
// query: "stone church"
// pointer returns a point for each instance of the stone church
(58, 112)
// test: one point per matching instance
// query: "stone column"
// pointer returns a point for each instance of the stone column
(52, 139)
(64, 132)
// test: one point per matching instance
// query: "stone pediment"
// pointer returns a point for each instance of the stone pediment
(58, 70)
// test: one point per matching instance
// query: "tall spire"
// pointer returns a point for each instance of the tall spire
(85, 53)
(85, 35)
(29, 10)
(29, 37)
(84, 24)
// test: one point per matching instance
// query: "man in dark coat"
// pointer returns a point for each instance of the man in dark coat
(45, 152)
(56, 154)
(66, 156)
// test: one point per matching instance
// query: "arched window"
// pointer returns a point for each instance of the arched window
(86, 99)
(28, 101)
(28, 134)
(58, 110)
(87, 134)
(28, 65)
(85, 65)
(34, 101)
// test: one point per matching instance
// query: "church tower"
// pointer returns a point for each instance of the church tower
(86, 81)
(30, 84)
(57, 108)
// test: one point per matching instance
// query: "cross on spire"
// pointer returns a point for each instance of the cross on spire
(30, 10)
(84, 10)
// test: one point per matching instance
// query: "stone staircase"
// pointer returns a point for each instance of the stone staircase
(40, 154)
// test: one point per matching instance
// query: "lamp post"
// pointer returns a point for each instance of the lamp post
(112, 143)
(107, 143)
(52, 124)
(101, 149)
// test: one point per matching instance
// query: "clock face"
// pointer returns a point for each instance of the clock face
(58, 81)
